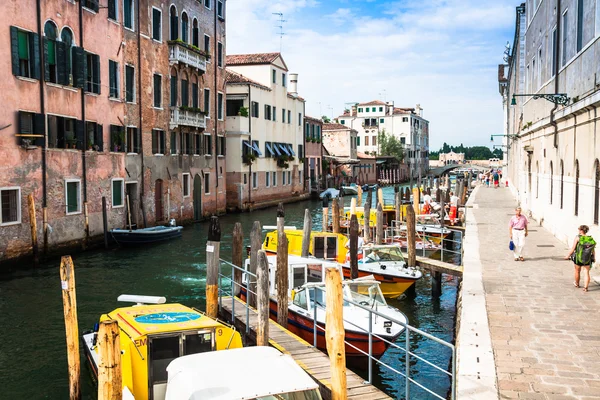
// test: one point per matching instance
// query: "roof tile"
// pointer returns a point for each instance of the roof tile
(250, 59)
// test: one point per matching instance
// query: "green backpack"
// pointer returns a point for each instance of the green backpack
(584, 251)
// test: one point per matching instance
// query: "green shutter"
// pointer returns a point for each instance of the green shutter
(96, 72)
(46, 60)
(154, 142)
(163, 143)
(72, 196)
(15, 49)
(34, 48)
(117, 193)
(39, 128)
(62, 63)
(100, 137)
(112, 9)
(79, 67)
(138, 141)
(80, 134)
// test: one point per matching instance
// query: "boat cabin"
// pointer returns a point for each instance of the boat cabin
(323, 245)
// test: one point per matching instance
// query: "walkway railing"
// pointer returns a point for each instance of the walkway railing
(227, 270)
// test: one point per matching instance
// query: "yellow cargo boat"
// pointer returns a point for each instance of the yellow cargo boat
(153, 335)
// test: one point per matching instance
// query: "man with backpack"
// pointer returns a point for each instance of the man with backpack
(583, 255)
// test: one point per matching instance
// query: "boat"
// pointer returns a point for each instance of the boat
(394, 274)
(307, 290)
(424, 246)
(427, 226)
(330, 193)
(133, 237)
(152, 334)
(257, 372)
(351, 189)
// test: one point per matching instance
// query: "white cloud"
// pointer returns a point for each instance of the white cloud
(442, 54)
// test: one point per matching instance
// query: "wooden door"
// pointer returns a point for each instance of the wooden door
(158, 200)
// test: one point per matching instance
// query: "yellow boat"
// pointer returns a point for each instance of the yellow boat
(153, 335)
(323, 245)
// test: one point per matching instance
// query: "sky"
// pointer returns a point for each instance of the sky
(441, 54)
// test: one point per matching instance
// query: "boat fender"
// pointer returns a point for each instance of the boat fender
(293, 294)
(383, 267)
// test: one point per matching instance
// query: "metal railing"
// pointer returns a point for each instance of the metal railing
(401, 344)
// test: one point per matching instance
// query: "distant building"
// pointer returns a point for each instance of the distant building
(339, 143)
(406, 124)
(452, 158)
(313, 129)
(265, 124)
(366, 170)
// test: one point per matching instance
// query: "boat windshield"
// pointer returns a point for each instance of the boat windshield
(378, 254)
(368, 293)
(303, 395)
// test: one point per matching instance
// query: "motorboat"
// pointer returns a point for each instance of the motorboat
(351, 189)
(425, 247)
(152, 334)
(323, 245)
(136, 237)
(330, 193)
(306, 298)
(427, 226)
(258, 372)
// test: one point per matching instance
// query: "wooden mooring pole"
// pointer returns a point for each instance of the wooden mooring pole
(237, 256)
(398, 206)
(334, 333)
(416, 199)
(367, 217)
(325, 225)
(213, 250)
(335, 216)
(411, 236)
(45, 227)
(255, 245)
(262, 299)
(306, 233)
(104, 222)
(359, 196)
(353, 246)
(67, 284)
(33, 225)
(379, 225)
(110, 386)
(282, 269)
(436, 284)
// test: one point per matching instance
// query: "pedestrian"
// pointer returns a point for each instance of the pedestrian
(453, 208)
(487, 179)
(496, 179)
(583, 254)
(517, 229)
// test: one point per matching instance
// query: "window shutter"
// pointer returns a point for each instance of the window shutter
(163, 142)
(46, 65)
(25, 125)
(14, 44)
(154, 142)
(174, 27)
(96, 74)
(112, 14)
(61, 63)
(137, 142)
(79, 67)
(39, 128)
(100, 137)
(79, 133)
(34, 49)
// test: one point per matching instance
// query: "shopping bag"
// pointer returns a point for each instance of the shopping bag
(511, 245)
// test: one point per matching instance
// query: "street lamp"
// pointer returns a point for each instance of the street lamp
(556, 98)
(510, 136)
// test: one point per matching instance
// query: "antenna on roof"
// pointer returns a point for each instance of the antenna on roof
(280, 26)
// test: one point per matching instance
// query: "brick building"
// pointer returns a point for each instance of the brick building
(313, 129)
(119, 99)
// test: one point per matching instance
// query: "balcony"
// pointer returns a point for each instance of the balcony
(187, 117)
(237, 124)
(180, 52)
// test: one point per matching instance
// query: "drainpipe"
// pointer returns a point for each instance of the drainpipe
(139, 99)
(556, 61)
(216, 110)
(43, 112)
(83, 158)
(250, 137)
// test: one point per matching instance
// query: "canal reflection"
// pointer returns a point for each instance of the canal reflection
(33, 361)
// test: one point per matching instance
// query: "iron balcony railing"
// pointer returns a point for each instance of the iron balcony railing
(192, 118)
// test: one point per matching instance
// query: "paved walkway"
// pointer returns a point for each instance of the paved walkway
(545, 333)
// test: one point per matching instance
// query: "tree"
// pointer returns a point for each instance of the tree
(389, 145)
(325, 119)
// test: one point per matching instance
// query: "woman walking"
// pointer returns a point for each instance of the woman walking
(583, 254)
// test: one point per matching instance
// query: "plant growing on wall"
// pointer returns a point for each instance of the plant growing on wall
(283, 161)
(189, 46)
(249, 158)
(191, 109)
(243, 112)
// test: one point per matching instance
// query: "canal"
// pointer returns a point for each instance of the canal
(33, 362)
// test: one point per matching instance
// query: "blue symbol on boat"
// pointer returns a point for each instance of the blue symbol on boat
(167, 318)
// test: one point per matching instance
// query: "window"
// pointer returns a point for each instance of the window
(380, 109)
(220, 106)
(283, 115)
(366, 140)
(117, 138)
(343, 122)
(274, 73)
(185, 94)
(254, 180)
(158, 141)
(50, 58)
(207, 102)
(267, 179)
(173, 143)
(596, 190)
(94, 133)
(93, 73)
(576, 187)
(564, 30)
(381, 120)
(374, 109)
(404, 119)
(289, 173)
(554, 50)
(299, 119)
(579, 25)
(113, 79)
(358, 140)
(220, 10)
(274, 114)
(221, 143)
(534, 76)
(207, 145)
(267, 112)
(274, 178)
(195, 95)
(133, 140)
(128, 14)
(195, 33)
(73, 196)
(245, 179)
(173, 89)
(10, 205)
(185, 177)
(597, 17)
(187, 143)
(255, 113)
(118, 193)
(112, 9)
(173, 23)
(62, 135)
(90, 4)
(156, 24)
(185, 28)
(283, 80)
(220, 54)
(206, 183)
(360, 110)
(283, 178)
(562, 182)
(65, 64)
(300, 151)
(157, 91)
(207, 44)
(198, 144)
(289, 117)
(207, 3)
(551, 181)
(129, 84)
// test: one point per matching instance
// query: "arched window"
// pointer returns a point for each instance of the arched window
(529, 173)
(174, 34)
(195, 33)
(173, 88)
(185, 94)
(184, 28)
(562, 182)
(195, 91)
(66, 37)
(50, 59)
(576, 187)
(551, 182)
(537, 179)
(596, 190)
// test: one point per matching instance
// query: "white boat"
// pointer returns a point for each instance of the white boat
(330, 193)
(246, 373)
(351, 189)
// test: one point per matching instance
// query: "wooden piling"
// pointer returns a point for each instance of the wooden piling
(282, 269)
(33, 225)
(379, 225)
(86, 219)
(380, 196)
(104, 222)
(335, 216)
(436, 284)
(416, 200)
(237, 256)
(306, 233)
(69, 296)
(353, 246)
(438, 195)
(262, 299)
(255, 246)
(110, 386)
(367, 217)
(325, 225)
(213, 250)
(411, 236)
(335, 334)
(398, 206)
(45, 228)
(129, 213)
(353, 206)
(359, 196)
(463, 193)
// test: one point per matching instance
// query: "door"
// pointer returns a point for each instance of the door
(131, 191)
(197, 198)
(158, 200)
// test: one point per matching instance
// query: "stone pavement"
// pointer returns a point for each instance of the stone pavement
(545, 333)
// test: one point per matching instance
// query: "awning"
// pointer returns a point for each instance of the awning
(255, 147)
(275, 148)
(248, 144)
(381, 161)
(269, 148)
(283, 148)
(291, 148)
(236, 96)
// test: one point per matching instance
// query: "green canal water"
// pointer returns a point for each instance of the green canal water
(33, 362)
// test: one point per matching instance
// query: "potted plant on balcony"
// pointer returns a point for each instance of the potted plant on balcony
(243, 112)
(248, 158)
(283, 161)
(118, 139)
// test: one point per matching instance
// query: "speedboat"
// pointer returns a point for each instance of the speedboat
(306, 297)
(425, 247)
(330, 193)
(427, 226)
(133, 237)
(351, 189)
(152, 334)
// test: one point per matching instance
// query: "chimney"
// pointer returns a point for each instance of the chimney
(419, 110)
(293, 85)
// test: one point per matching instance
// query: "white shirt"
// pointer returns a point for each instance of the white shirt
(427, 198)
(454, 201)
